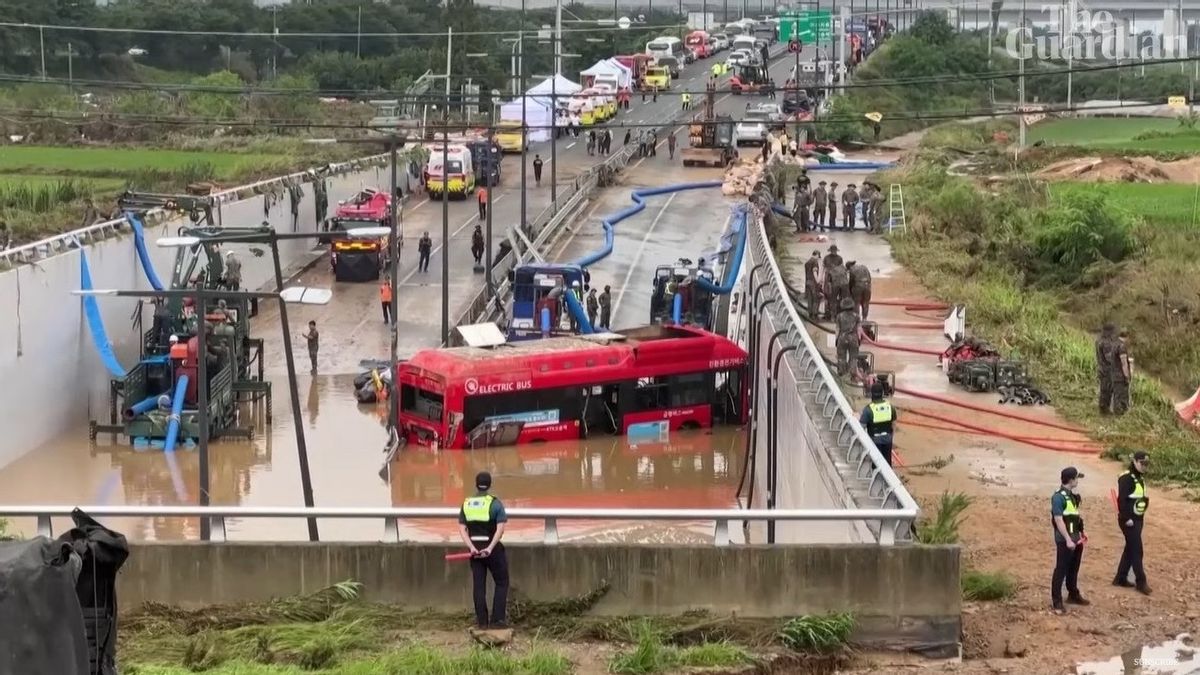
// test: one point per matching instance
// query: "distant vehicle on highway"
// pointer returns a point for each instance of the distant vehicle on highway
(671, 64)
(740, 57)
(722, 41)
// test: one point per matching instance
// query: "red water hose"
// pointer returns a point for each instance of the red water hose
(911, 304)
(939, 427)
(914, 325)
(901, 348)
(1048, 445)
(979, 408)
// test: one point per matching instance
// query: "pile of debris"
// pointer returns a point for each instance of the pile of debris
(976, 366)
(741, 177)
(1123, 170)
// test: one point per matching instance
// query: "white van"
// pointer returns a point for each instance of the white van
(666, 46)
(746, 42)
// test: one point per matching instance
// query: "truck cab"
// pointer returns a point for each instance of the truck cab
(487, 157)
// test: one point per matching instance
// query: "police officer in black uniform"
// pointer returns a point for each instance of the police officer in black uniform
(879, 418)
(482, 521)
(1069, 540)
(1131, 512)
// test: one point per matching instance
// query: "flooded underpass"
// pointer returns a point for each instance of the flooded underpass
(697, 469)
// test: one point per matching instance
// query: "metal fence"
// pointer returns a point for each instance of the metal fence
(60, 243)
(800, 406)
(722, 519)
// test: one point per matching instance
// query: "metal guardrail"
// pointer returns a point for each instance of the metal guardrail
(60, 243)
(392, 516)
(866, 473)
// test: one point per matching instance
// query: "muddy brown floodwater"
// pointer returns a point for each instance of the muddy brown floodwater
(695, 470)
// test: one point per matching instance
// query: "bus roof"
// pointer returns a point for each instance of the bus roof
(583, 359)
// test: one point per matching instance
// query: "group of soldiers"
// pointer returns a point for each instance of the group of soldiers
(817, 208)
(844, 287)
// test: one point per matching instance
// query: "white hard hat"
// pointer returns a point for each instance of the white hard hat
(174, 339)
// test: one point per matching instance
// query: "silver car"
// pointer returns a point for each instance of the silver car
(752, 130)
(738, 57)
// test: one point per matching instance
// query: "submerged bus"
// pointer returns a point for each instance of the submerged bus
(571, 387)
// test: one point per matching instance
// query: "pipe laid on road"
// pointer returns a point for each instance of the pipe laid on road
(740, 215)
(639, 203)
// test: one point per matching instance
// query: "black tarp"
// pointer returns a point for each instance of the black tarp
(58, 602)
(41, 623)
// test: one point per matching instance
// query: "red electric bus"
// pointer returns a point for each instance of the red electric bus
(571, 387)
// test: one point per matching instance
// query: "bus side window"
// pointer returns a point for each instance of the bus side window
(651, 394)
(690, 389)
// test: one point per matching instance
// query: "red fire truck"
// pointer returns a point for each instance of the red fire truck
(571, 387)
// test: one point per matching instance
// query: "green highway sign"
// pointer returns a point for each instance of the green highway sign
(809, 26)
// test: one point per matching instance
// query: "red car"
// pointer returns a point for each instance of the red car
(369, 204)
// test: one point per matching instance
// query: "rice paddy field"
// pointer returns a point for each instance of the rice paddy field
(1125, 134)
(1173, 204)
(33, 159)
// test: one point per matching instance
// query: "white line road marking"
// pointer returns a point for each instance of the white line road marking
(570, 146)
(638, 256)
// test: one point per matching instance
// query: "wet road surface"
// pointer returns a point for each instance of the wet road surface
(345, 440)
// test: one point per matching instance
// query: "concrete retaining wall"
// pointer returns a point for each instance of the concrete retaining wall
(45, 345)
(903, 596)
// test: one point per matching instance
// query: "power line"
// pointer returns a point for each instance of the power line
(271, 35)
(437, 99)
(20, 116)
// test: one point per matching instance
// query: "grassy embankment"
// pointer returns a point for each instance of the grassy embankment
(1041, 267)
(334, 632)
(42, 188)
(1144, 135)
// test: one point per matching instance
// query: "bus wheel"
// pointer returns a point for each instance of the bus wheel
(538, 440)
(690, 425)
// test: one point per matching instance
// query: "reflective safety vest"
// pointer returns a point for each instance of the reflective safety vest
(881, 419)
(385, 292)
(477, 511)
(716, 69)
(1070, 513)
(1140, 501)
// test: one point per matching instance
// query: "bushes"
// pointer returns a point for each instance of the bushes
(1081, 230)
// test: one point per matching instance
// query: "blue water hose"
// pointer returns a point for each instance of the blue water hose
(740, 214)
(145, 405)
(576, 309)
(173, 435)
(677, 310)
(139, 242)
(639, 203)
(545, 322)
(851, 166)
(91, 310)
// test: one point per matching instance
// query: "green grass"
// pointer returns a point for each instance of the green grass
(1102, 132)
(113, 161)
(943, 527)
(987, 586)
(411, 659)
(1158, 203)
(96, 185)
(820, 634)
(651, 655)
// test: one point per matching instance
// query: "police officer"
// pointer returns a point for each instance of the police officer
(1131, 511)
(1068, 540)
(847, 336)
(878, 417)
(481, 522)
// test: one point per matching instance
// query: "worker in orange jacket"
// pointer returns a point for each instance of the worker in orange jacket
(385, 301)
(481, 193)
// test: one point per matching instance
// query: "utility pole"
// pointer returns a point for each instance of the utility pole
(358, 37)
(1021, 82)
(70, 64)
(524, 128)
(42, 41)
(487, 271)
(557, 42)
(394, 253)
(1069, 21)
(446, 195)
(274, 42)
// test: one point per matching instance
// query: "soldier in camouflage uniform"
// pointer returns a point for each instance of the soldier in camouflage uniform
(812, 284)
(877, 206)
(832, 259)
(839, 284)
(860, 287)
(1108, 334)
(847, 336)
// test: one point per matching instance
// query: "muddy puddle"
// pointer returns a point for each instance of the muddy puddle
(694, 470)
(1173, 657)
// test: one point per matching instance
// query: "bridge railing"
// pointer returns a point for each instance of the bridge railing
(801, 412)
(390, 517)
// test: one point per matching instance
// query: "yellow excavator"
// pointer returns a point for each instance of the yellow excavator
(710, 136)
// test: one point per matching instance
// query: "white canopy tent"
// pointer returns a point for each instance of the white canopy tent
(626, 72)
(558, 85)
(611, 68)
(537, 116)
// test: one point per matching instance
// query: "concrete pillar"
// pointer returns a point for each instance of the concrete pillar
(1170, 31)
